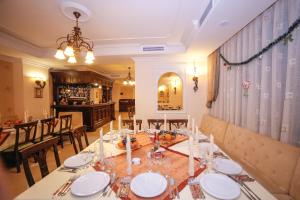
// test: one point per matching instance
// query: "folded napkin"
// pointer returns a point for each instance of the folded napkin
(243, 178)
(191, 170)
(101, 148)
(128, 151)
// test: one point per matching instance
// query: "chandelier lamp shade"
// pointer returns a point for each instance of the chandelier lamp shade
(71, 45)
(129, 80)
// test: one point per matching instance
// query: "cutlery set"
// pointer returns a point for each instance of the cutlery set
(195, 189)
(173, 189)
(245, 189)
(107, 190)
(67, 169)
(64, 189)
(124, 188)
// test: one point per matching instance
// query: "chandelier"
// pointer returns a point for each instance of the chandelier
(73, 43)
(129, 80)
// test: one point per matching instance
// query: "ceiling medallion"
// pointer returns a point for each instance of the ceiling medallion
(129, 80)
(71, 45)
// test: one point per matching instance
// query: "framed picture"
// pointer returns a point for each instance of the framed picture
(38, 92)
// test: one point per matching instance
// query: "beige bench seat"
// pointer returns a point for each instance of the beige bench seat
(274, 164)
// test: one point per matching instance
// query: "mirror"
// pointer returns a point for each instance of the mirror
(169, 92)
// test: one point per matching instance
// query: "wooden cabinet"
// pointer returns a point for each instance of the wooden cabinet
(94, 116)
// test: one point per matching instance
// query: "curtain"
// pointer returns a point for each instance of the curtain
(213, 73)
(271, 104)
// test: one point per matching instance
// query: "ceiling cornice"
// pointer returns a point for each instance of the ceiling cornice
(35, 63)
(12, 41)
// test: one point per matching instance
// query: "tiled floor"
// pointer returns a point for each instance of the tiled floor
(16, 182)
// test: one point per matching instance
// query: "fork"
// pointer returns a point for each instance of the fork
(106, 189)
(66, 186)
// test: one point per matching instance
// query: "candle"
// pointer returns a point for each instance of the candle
(211, 145)
(101, 148)
(111, 132)
(165, 122)
(193, 127)
(196, 138)
(134, 124)
(25, 116)
(128, 151)
(120, 124)
(191, 157)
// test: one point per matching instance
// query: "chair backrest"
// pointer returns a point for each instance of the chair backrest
(157, 123)
(76, 136)
(77, 118)
(39, 151)
(29, 133)
(65, 123)
(47, 127)
(131, 111)
(129, 123)
(177, 123)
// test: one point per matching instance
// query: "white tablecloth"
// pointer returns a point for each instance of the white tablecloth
(48, 185)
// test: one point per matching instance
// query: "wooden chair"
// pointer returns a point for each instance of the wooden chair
(65, 128)
(129, 123)
(77, 134)
(157, 123)
(131, 111)
(29, 133)
(39, 152)
(177, 123)
(47, 128)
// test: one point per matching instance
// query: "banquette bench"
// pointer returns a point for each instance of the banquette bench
(274, 164)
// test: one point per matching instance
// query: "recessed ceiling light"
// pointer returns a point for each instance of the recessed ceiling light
(224, 23)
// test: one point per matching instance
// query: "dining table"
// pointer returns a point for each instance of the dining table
(176, 155)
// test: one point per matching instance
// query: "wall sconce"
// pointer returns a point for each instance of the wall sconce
(38, 91)
(40, 83)
(195, 78)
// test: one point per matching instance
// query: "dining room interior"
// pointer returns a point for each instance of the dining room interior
(139, 99)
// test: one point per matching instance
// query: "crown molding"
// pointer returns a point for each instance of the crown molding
(9, 40)
(35, 63)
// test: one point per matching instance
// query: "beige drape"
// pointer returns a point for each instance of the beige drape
(213, 73)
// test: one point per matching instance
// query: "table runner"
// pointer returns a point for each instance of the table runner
(177, 168)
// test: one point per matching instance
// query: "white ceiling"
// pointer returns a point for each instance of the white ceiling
(119, 28)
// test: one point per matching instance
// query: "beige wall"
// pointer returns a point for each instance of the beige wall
(16, 93)
(21, 80)
(7, 108)
(34, 105)
(147, 73)
(118, 88)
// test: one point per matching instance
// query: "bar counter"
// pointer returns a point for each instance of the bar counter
(94, 116)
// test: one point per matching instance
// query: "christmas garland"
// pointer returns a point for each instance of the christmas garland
(287, 36)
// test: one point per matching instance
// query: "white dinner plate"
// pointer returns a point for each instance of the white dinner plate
(127, 131)
(220, 186)
(78, 160)
(227, 166)
(148, 184)
(106, 137)
(151, 131)
(90, 184)
(205, 146)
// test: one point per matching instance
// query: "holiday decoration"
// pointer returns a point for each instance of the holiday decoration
(285, 37)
